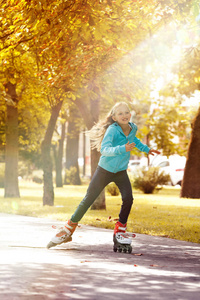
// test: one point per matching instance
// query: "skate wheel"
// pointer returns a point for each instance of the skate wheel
(124, 250)
(130, 250)
(120, 249)
(114, 249)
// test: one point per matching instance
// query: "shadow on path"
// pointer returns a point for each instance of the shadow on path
(87, 268)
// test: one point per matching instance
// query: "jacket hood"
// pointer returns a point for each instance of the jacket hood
(133, 126)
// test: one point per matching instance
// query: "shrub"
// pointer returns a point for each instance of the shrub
(37, 179)
(24, 169)
(70, 175)
(37, 176)
(148, 180)
(112, 189)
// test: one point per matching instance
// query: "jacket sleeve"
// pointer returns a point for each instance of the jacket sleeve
(107, 148)
(140, 146)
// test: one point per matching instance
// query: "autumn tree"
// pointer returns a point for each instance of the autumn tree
(58, 148)
(55, 101)
(32, 120)
(80, 38)
(189, 78)
(73, 42)
(17, 68)
(13, 80)
(72, 175)
(187, 83)
(11, 153)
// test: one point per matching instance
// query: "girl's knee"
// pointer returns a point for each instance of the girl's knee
(128, 199)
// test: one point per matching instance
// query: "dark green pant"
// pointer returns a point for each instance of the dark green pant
(99, 181)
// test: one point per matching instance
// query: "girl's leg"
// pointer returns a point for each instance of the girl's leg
(100, 179)
(122, 181)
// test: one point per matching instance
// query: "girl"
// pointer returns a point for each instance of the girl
(114, 138)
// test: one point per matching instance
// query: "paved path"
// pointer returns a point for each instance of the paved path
(87, 268)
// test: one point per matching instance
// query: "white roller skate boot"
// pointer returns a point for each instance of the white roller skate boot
(122, 241)
(63, 235)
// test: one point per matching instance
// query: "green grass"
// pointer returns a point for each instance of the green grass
(161, 214)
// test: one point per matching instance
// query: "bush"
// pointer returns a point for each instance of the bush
(70, 175)
(23, 170)
(37, 176)
(148, 180)
(112, 189)
(37, 179)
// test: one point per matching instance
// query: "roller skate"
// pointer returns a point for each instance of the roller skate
(122, 241)
(63, 235)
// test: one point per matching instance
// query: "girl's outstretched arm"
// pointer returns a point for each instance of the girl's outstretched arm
(152, 151)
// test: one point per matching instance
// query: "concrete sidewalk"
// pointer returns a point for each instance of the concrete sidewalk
(87, 268)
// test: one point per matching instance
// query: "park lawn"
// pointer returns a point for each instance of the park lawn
(161, 214)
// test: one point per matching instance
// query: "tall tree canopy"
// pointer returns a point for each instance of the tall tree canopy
(67, 45)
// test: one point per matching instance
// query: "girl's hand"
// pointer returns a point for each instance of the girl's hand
(129, 147)
(152, 151)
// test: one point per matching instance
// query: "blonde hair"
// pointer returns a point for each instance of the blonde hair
(96, 133)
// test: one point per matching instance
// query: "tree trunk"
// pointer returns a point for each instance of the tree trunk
(59, 157)
(100, 202)
(11, 152)
(91, 116)
(72, 176)
(48, 190)
(84, 156)
(191, 179)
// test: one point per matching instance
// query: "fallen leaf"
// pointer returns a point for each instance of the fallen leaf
(154, 265)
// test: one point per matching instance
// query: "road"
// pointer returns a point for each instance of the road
(87, 268)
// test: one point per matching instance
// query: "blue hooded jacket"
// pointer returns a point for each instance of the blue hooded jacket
(114, 157)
